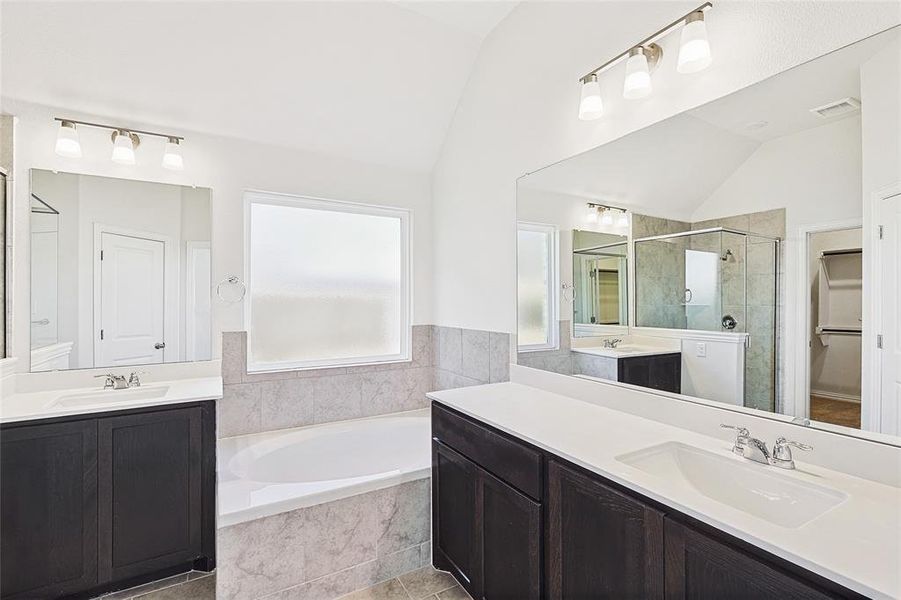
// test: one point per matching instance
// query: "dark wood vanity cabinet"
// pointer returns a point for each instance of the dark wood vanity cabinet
(659, 372)
(601, 543)
(101, 502)
(513, 522)
(486, 532)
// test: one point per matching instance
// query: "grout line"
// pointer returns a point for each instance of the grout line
(404, 588)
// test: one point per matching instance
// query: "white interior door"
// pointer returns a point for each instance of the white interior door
(890, 328)
(132, 301)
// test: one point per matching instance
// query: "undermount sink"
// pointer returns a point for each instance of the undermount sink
(111, 396)
(759, 490)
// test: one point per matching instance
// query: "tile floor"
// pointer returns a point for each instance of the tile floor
(425, 584)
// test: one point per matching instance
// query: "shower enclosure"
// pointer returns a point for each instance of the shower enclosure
(716, 279)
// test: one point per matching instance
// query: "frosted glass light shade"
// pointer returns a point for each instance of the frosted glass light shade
(638, 76)
(591, 106)
(607, 217)
(592, 215)
(123, 149)
(694, 48)
(67, 144)
(622, 221)
(172, 158)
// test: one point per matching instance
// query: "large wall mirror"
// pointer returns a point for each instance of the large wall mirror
(720, 254)
(120, 272)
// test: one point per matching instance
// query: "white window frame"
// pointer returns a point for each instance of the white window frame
(553, 284)
(252, 197)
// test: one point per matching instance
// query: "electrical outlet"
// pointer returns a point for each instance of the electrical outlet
(701, 349)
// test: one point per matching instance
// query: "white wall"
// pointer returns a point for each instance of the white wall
(834, 369)
(518, 113)
(229, 167)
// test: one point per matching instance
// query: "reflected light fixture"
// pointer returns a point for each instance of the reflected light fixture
(592, 215)
(591, 106)
(622, 221)
(172, 158)
(607, 217)
(67, 144)
(694, 48)
(124, 144)
(694, 56)
(125, 141)
(642, 59)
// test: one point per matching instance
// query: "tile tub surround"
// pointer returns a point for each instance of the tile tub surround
(328, 550)
(443, 358)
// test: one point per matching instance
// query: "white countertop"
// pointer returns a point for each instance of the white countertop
(42, 404)
(856, 544)
(626, 351)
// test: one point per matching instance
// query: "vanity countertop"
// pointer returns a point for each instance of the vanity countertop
(626, 351)
(856, 544)
(47, 404)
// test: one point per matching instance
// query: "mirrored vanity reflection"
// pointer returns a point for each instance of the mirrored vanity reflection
(120, 272)
(718, 254)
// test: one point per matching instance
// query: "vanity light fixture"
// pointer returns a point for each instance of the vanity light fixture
(694, 48)
(622, 221)
(610, 216)
(124, 144)
(638, 70)
(592, 215)
(172, 158)
(607, 217)
(67, 144)
(694, 56)
(591, 106)
(125, 141)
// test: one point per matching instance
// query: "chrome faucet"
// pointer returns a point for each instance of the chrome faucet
(113, 382)
(756, 450)
(134, 380)
(608, 343)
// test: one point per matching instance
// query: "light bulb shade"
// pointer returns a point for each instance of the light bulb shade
(172, 158)
(67, 143)
(592, 215)
(694, 49)
(123, 148)
(607, 217)
(622, 221)
(591, 106)
(638, 76)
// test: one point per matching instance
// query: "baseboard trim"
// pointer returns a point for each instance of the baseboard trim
(836, 396)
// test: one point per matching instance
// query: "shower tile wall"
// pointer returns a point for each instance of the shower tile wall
(661, 294)
(443, 358)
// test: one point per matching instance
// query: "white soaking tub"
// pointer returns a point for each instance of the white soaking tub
(268, 473)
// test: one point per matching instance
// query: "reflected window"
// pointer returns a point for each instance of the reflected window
(328, 283)
(536, 282)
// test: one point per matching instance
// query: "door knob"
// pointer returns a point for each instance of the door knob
(159, 345)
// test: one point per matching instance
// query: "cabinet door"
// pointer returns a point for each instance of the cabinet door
(601, 543)
(454, 481)
(150, 492)
(699, 567)
(509, 531)
(48, 509)
(666, 373)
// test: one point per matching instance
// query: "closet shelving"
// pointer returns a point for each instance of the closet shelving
(840, 293)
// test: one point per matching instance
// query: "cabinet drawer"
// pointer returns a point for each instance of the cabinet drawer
(510, 461)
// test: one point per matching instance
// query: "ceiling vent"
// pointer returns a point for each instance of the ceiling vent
(839, 108)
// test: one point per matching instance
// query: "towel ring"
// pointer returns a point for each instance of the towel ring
(231, 280)
(568, 287)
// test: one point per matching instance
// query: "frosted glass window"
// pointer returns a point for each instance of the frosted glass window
(536, 277)
(328, 283)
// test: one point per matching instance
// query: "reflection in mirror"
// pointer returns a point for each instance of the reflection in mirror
(6, 169)
(736, 208)
(600, 280)
(120, 272)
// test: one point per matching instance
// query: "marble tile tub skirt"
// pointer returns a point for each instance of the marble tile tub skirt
(322, 511)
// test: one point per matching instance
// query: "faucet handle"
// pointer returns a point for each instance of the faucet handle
(742, 435)
(782, 453)
(109, 380)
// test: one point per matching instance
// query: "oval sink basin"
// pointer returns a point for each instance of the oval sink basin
(759, 490)
(111, 396)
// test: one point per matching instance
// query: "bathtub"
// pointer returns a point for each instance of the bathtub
(269, 473)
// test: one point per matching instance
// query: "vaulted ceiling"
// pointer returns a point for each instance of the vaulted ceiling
(376, 82)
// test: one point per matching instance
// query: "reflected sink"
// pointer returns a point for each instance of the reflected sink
(111, 396)
(753, 488)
